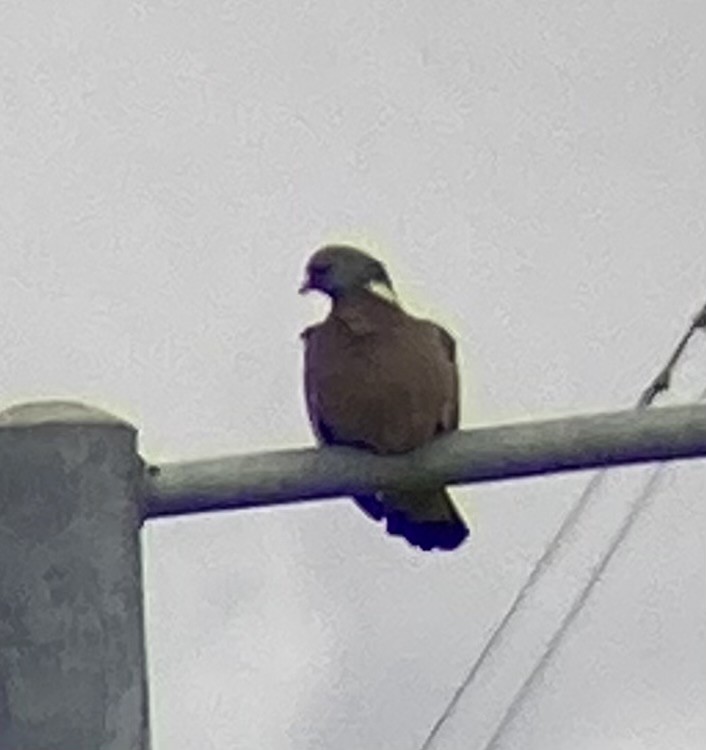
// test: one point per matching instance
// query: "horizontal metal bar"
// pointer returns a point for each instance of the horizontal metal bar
(478, 455)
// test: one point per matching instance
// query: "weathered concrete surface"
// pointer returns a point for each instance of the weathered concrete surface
(72, 663)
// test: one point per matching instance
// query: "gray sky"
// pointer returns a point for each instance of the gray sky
(533, 174)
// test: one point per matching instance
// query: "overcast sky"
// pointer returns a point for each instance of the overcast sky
(534, 176)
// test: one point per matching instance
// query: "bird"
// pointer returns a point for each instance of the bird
(380, 379)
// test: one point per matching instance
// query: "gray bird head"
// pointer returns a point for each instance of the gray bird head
(339, 270)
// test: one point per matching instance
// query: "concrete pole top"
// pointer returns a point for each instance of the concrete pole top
(35, 413)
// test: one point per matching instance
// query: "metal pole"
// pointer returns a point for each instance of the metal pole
(72, 656)
(479, 455)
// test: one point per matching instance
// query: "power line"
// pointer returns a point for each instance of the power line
(658, 385)
(543, 564)
(639, 505)
(664, 378)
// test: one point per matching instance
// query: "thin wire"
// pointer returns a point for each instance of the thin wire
(664, 378)
(661, 383)
(638, 505)
(537, 572)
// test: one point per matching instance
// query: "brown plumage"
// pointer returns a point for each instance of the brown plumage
(380, 379)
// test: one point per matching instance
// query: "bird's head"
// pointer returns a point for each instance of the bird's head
(341, 270)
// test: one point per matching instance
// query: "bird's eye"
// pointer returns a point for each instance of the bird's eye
(318, 269)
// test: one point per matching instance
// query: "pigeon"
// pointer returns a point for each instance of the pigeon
(382, 380)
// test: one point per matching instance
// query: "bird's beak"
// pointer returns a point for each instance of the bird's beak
(306, 287)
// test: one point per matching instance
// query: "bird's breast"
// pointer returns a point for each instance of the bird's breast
(384, 389)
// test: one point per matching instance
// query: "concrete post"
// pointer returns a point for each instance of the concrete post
(72, 656)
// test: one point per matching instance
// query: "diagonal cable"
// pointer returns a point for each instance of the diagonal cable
(658, 385)
(638, 506)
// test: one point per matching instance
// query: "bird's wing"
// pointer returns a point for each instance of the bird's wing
(450, 416)
(311, 393)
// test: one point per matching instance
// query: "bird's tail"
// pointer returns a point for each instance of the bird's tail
(427, 519)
